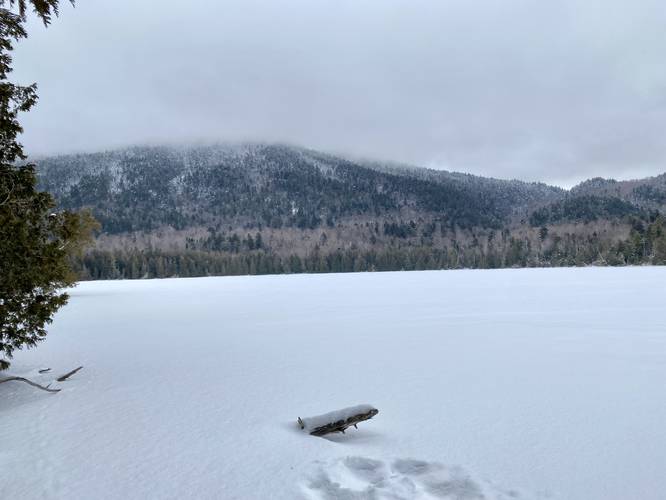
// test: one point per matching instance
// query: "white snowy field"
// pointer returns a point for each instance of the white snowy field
(541, 383)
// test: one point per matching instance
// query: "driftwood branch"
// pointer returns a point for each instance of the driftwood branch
(22, 379)
(64, 377)
(42, 387)
(340, 425)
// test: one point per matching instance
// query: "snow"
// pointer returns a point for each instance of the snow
(311, 423)
(539, 383)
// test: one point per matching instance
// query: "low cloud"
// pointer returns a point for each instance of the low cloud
(554, 91)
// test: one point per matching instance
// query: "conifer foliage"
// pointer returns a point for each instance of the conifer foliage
(36, 242)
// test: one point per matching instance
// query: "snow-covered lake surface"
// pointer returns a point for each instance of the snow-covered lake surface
(542, 383)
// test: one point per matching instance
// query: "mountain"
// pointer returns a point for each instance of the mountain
(143, 189)
(231, 208)
(649, 193)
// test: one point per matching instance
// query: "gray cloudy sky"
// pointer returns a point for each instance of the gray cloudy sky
(532, 89)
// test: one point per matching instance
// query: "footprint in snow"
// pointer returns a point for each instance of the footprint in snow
(361, 478)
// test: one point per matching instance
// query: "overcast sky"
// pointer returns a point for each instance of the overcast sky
(537, 90)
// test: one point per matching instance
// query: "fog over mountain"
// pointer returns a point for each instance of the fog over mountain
(551, 91)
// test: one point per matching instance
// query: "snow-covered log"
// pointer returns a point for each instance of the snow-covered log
(337, 421)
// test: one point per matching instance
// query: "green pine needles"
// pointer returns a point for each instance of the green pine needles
(36, 242)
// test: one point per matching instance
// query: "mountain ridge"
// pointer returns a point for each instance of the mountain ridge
(218, 200)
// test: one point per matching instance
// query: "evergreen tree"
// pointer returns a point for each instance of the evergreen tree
(36, 244)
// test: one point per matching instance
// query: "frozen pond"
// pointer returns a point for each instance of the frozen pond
(539, 383)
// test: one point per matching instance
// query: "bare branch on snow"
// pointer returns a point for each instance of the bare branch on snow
(64, 377)
(22, 379)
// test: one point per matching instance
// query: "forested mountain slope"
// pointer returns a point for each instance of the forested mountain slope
(647, 193)
(229, 209)
(269, 185)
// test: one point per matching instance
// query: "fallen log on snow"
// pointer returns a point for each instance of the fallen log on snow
(337, 421)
